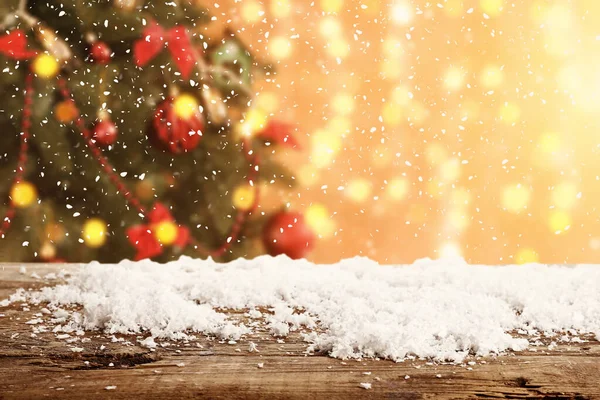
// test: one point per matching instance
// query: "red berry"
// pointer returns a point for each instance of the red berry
(100, 52)
(105, 132)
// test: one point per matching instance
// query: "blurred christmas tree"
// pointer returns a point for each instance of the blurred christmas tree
(129, 134)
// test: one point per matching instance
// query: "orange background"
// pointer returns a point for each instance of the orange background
(434, 128)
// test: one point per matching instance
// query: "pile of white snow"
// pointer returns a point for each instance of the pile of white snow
(437, 309)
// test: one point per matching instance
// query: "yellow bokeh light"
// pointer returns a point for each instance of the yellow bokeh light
(457, 220)
(280, 48)
(332, 6)
(254, 121)
(450, 250)
(359, 190)
(252, 11)
(330, 27)
(401, 95)
(450, 170)
(492, 8)
(343, 104)
(340, 125)
(325, 146)
(243, 197)
(515, 198)
(308, 174)
(564, 195)
(460, 197)
(390, 69)
(549, 143)
(392, 114)
(397, 188)
(509, 113)
(559, 221)
(492, 76)
(454, 78)
(526, 256)
(267, 101)
(280, 8)
(318, 219)
(401, 13)
(338, 47)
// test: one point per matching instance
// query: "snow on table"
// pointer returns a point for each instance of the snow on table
(442, 310)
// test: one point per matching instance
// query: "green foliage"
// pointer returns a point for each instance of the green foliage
(73, 187)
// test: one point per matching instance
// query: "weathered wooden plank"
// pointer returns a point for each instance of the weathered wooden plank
(45, 367)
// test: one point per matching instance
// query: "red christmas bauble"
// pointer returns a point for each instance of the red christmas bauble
(287, 233)
(100, 52)
(105, 132)
(178, 134)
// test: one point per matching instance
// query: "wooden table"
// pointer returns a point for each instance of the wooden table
(44, 367)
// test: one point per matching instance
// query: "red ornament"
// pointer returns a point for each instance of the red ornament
(144, 240)
(100, 52)
(279, 133)
(176, 133)
(105, 132)
(287, 233)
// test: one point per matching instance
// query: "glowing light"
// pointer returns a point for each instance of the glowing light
(492, 8)
(458, 220)
(559, 221)
(564, 195)
(243, 197)
(454, 78)
(550, 143)
(340, 125)
(332, 6)
(510, 113)
(330, 27)
(280, 8)
(338, 48)
(392, 114)
(358, 190)
(324, 148)
(401, 95)
(450, 170)
(491, 77)
(343, 104)
(318, 218)
(450, 250)
(267, 101)
(397, 189)
(280, 48)
(390, 69)
(515, 198)
(252, 11)
(460, 197)
(526, 256)
(308, 175)
(401, 13)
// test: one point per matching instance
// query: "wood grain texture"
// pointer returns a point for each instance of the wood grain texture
(43, 367)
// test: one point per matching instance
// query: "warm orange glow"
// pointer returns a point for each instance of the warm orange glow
(435, 128)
